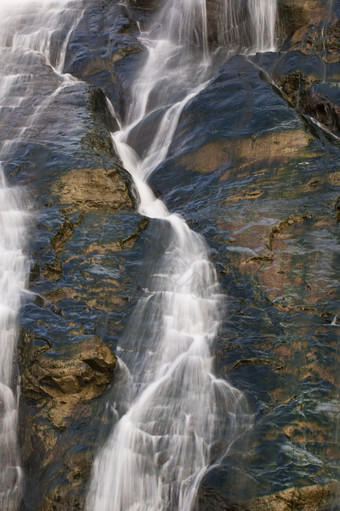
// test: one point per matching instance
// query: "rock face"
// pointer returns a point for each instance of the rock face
(299, 14)
(308, 77)
(262, 166)
(69, 328)
(306, 498)
(254, 168)
(105, 52)
(89, 189)
(80, 373)
(59, 385)
(84, 230)
(310, 498)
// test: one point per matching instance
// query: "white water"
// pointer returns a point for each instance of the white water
(13, 274)
(245, 25)
(263, 19)
(29, 36)
(161, 448)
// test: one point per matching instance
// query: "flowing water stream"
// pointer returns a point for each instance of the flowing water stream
(13, 273)
(178, 410)
(179, 418)
(30, 33)
(161, 448)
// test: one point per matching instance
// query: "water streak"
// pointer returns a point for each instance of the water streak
(33, 36)
(263, 16)
(179, 411)
(13, 272)
(245, 26)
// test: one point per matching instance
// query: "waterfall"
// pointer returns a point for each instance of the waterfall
(263, 16)
(157, 455)
(29, 33)
(243, 25)
(161, 448)
(13, 275)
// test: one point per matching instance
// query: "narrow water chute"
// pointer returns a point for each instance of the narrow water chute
(30, 32)
(160, 449)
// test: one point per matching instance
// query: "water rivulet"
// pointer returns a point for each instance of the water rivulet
(178, 411)
(29, 33)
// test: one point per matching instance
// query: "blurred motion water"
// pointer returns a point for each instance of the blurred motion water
(161, 448)
(30, 32)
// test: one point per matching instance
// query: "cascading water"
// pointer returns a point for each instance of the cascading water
(160, 449)
(263, 19)
(244, 25)
(29, 33)
(13, 271)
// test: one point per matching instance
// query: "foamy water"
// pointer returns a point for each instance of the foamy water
(161, 448)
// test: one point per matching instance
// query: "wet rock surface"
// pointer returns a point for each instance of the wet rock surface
(309, 498)
(272, 176)
(83, 232)
(251, 170)
(294, 15)
(104, 49)
(80, 373)
(306, 498)
(308, 73)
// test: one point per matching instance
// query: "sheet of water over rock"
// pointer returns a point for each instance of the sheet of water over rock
(251, 171)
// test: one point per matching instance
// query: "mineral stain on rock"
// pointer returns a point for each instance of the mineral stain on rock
(60, 381)
(93, 188)
(260, 151)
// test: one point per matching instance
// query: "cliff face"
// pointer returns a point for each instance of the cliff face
(254, 168)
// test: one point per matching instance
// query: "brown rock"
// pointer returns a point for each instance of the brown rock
(323, 40)
(297, 87)
(64, 233)
(97, 188)
(322, 109)
(307, 498)
(294, 14)
(247, 153)
(77, 374)
(218, 19)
